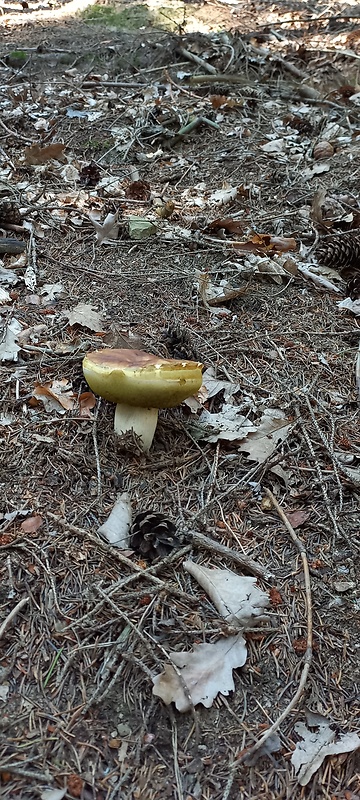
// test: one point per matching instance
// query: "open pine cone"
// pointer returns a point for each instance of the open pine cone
(153, 535)
(353, 288)
(340, 251)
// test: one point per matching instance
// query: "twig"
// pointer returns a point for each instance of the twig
(205, 543)
(30, 275)
(308, 654)
(96, 448)
(197, 60)
(12, 614)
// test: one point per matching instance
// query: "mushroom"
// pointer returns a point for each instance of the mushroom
(140, 383)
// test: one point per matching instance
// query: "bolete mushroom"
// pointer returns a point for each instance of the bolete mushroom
(140, 384)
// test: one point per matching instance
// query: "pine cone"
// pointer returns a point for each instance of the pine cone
(9, 213)
(340, 252)
(178, 343)
(153, 535)
(353, 288)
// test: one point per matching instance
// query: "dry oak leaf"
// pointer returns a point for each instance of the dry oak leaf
(205, 672)
(297, 518)
(236, 597)
(85, 315)
(274, 427)
(309, 753)
(36, 155)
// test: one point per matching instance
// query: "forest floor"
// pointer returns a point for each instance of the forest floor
(94, 116)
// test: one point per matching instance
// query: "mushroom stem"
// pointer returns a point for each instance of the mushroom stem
(142, 421)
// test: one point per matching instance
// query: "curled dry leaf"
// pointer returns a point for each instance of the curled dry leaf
(236, 597)
(264, 243)
(322, 150)
(87, 401)
(316, 744)
(117, 526)
(56, 395)
(108, 230)
(201, 674)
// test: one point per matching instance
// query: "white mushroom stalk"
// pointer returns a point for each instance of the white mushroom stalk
(142, 421)
(140, 383)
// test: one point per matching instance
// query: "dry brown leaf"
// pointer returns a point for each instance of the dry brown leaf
(221, 101)
(36, 155)
(32, 524)
(87, 401)
(228, 224)
(264, 243)
(56, 395)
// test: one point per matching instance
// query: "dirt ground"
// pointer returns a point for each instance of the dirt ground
(95, 625)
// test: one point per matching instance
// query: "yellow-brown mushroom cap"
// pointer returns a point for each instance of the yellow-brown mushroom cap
(141, 379)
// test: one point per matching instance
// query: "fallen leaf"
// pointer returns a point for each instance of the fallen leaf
(8, 346)
(87, 401)
(272, 745)
(108, 230)
(117, 526)
(32, 524)
(263, 242)
(4, 691)
(138, 190)
(206, 672)
(316, 744)
(8, 277)
(56, 395)
(260, 444)
(234, 226)
(229, 424)
(53, 794)
(40, 155)
(297, 518)
(224, 196)
(350, 305)
(221, 101)
(274, 146)
(236, 597)
(214, 385)
(85, 315)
